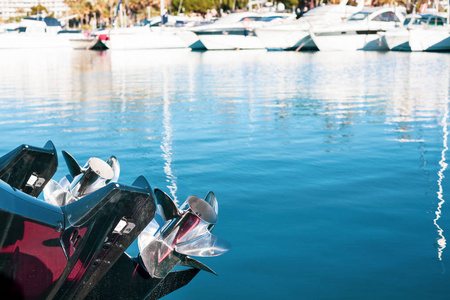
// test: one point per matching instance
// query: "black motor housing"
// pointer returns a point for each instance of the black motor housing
(76, 251)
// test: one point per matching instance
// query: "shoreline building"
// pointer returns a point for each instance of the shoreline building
(17, 8)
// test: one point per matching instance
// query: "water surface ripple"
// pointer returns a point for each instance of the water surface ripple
(330, 168)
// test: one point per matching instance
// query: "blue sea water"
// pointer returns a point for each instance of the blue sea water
(329, 168)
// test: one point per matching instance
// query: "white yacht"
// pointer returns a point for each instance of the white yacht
(360, 31)
(397, 39)
(434, 36)
(37, 32)
(237, 30)
(186, 34)
(294, 35)
(149, 34)
(145, 37)
(89, 42)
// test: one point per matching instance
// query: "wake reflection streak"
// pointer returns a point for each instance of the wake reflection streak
(166, 144)
(441, 242)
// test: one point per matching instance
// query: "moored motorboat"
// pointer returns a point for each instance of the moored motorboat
(87, 43)
(143, 37)
(237, 30)
(397, 39)
(294, 35)
(360, 31)
(38, 32)
(431, 38)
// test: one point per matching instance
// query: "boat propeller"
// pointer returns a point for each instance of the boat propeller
(180, 233)
(82, 180)
(175, 234)
(82, 241)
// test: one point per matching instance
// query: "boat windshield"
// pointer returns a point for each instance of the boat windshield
(415, 21)
(359, 16)
(407, 21)
(250, 19)
(388, 16)
(436, 21)
(271, 18)
(432, 21)
(235, 18)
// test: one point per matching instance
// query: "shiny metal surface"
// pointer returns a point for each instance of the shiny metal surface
(95, 175)
(212, 200)
(28, 168)
(186, 232)
(169, 210)
(101, 168)
(206, 245)
(57, 195)
(73, 166)
(65, 247)
(113, 162)
(61, 248)
(202, 209)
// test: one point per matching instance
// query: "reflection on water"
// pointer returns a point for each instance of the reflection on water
(166, 144)
(441, 240)
(345, 149)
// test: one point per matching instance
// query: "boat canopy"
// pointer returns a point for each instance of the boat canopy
(49, 21)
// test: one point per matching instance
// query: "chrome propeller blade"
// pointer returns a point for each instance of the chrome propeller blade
(113, 162)
(193, 263)
(185, 231)
(73, 166)
(169, 210)
(202, 209)
(212, 200)
(206, 245)
(101, 168)
(148, 235)
(159, 258)
(56, 195)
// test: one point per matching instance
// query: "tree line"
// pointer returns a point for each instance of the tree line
(137, 10)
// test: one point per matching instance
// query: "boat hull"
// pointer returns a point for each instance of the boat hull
(432, 39)
(396, 40)
(367, 40)
(34, 41)
(285, 38)
(87, 44)
(230, 39)
(129, 40)
(190, 39)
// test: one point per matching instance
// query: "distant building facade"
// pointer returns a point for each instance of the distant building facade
(16, 8)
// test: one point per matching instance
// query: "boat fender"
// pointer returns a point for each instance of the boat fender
(298, 12)
(246, 22)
